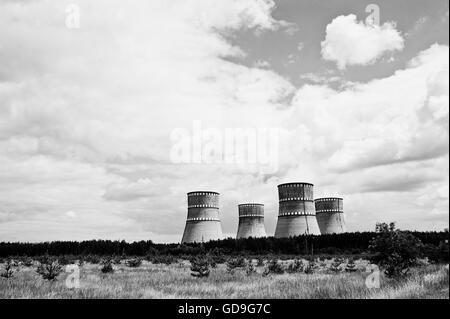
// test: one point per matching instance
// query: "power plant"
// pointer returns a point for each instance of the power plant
(251, 221)
(297, 213)
(330, 215)
(203, 222)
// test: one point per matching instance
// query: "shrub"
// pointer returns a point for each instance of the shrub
(395, 251)
(234, 263)
(273, 267)
(27, 261)
(199, 267)
(438, 254)
(296, 266)
(81, 261)
(8, 269)
(310, 268)
(93, 259)
(49, 268)
(64, 260)
(107, 266)
(117, 260)
(336, 265)
(134, 263)
(163, 259)
(351, 266)
(260, 262)
(249, 268)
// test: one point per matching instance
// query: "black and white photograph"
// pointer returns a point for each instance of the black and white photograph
(224, 150)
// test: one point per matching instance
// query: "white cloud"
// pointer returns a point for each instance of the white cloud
(86, 128)
(352, 42)
(389, 135)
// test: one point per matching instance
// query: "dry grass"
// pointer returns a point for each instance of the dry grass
(175, 281)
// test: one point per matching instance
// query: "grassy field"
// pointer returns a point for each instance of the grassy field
(175, 281)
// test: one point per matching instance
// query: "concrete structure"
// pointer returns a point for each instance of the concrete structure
(203, 222)
(330, 215)
(251, 221)
(297, 214)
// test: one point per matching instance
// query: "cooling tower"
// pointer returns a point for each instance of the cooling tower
(203, 223)
(330, 215)
(251, 221)
(297, 214)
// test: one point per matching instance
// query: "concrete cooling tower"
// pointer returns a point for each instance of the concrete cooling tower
(251, 221)
(330, 215)
(203, 222)
(297, 214)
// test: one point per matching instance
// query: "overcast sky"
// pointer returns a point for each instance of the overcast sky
(86, 114)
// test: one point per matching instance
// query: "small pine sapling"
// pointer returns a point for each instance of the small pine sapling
(200, 267)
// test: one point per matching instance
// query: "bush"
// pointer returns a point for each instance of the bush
(81, 261)
(134, 263)
(260, 262)
(92, 259)
(395, 251)
(351, 266)
(296, 266)
(27, 261)
(163, 259)
(107, 266)
(249, 268)
(117, 260)
(273, 267)
(8, 269)
(310, 268)
(336, 265)
(234, 263)
(49, 268)
(438, 254)
(199, 267)
(64, 260)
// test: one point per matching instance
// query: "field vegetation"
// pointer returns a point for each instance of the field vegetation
(395, 264)
(276, 279)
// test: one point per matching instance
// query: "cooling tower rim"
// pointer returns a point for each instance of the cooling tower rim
(295, 183)
(250, 204)
(320, 199)
(194, 193)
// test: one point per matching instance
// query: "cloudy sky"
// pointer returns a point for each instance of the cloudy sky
(88, 111)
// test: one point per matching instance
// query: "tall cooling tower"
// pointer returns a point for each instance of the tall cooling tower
(330, 215)
(251, 221)
(297, 214)
(203, 222)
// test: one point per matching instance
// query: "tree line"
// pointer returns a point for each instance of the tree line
(332, 244)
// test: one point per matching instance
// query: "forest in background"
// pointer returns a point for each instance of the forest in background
(334, 244)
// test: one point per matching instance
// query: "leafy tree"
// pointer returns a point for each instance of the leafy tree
(394, 251)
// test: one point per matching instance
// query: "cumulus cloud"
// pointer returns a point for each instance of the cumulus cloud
(386, 135)
(85, 129)
(351, 42)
